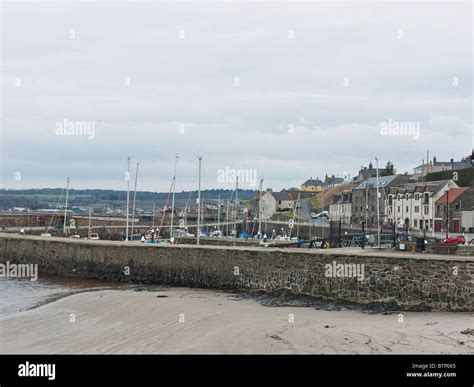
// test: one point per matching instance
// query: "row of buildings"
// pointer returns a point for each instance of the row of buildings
(409, 200)
(404, 199)
(423, 206)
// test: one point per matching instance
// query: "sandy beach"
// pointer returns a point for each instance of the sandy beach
(189, 321)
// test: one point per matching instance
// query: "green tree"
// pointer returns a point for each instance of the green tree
(389, 169)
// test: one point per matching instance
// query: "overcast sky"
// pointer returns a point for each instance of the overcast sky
(289, 90)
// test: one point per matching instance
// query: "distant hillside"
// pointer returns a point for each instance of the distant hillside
(465, 177)
(47, 197)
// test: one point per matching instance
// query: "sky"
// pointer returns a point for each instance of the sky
(278, 90)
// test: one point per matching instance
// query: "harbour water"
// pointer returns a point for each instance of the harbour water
(19, 294)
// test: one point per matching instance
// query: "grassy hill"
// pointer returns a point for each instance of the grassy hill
(326, 197)
(465, 177)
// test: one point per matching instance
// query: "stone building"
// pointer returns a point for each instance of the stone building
(420, 171)
(272, 202)
(364, 199)
(457, 204)
(312, 185)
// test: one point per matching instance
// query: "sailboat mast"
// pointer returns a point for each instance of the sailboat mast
(199, 203)
(298, 206)
(153, 216)
(65, 207)
(236, 206)
(134, 197)
(89, 231)
(227, 218)
(174, 190)
(218, 212)
(128, 195)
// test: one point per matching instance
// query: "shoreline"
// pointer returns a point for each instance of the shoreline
(399, 281)
(183, 320)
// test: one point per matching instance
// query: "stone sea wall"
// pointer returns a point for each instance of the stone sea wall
(408, 281)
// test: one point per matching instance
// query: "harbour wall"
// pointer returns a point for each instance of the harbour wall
(405, 281)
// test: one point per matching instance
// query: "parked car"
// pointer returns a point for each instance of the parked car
(455, 240)
(94, 236)
(323, 214)
(216, 234)
(46, 235)
(181, 233)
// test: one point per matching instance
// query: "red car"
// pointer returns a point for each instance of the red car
(455, 240)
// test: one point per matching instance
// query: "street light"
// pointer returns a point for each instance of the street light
(447, 214)
(378, 201)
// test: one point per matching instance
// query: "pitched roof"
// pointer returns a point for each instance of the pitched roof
(372, 182)
(455, 164)
(419, 187)
(285, 195)
(333, 180)
(453, 194)
(344, 197)
(314, 182)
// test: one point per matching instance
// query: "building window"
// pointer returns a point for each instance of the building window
(406, 208)
(415, 223)
(427, 210)
(417, 196)
(417, 209)
(426, 198)
(398, 209)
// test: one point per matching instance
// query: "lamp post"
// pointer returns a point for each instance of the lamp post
(199, 203)
(447, 214)
(65, 208)
(128, 195)
(378, 201)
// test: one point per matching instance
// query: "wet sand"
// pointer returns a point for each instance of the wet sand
(179, 320)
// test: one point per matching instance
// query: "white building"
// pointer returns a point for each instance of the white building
(413, 204)
(341, 208)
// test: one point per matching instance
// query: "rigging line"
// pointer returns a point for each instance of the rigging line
(165, 208)
(185, 217)
(56, 209)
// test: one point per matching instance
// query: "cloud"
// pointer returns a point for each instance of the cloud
(314, 82)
